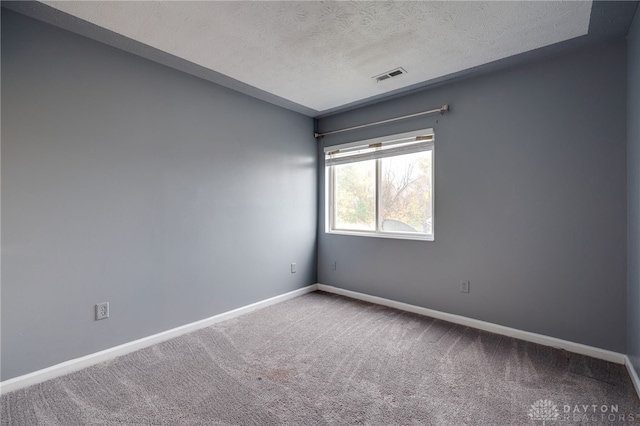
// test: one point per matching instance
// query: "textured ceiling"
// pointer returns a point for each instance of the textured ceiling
(323, 55)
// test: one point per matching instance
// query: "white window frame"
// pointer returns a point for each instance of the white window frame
(378, 232)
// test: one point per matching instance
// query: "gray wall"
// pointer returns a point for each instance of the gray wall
(530, 201)
(633, 192)
(125, 181)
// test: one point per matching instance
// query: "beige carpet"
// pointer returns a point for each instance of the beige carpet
(325, 359)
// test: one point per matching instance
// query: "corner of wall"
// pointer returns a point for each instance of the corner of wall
(633, 197)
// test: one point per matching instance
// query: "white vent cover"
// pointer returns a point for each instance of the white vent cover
(389, 74)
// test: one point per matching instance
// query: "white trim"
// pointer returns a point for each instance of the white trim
(383, 234)
(578, 348)
(107, 354)
(633, 374)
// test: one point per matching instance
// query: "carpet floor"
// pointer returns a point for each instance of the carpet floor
(322, 359)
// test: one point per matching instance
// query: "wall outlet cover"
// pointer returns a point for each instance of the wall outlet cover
(102, 310)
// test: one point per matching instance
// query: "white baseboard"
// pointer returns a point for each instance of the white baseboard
(107, 354)
(578, 348)
(633, 374)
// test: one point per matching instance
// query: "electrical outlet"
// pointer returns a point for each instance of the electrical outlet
(334, 265)
(293, 268)
(464, 286)
(102, 311)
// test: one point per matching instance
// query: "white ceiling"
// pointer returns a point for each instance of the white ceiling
(323, 55)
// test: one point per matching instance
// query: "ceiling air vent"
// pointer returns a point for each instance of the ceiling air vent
(389, 74)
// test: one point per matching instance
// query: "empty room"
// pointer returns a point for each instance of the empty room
(320, 213)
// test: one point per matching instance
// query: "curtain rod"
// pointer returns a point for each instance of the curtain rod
(444, 108)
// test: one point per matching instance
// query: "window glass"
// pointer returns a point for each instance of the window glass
(355, 196)
(405, 193)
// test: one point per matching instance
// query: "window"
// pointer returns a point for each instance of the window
(382, 187)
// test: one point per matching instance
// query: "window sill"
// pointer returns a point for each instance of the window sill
(396, 236)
